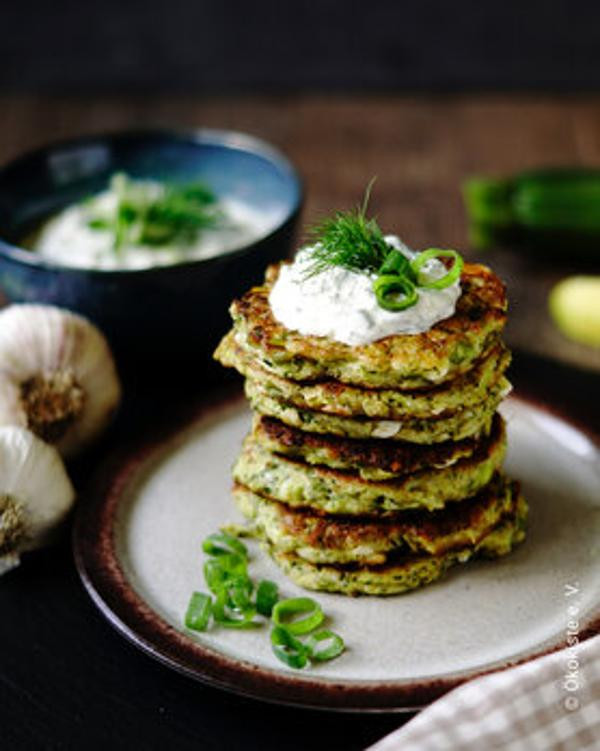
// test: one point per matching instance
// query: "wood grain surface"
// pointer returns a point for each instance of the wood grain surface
(420, 149)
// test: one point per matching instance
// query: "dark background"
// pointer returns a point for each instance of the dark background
(70, 46)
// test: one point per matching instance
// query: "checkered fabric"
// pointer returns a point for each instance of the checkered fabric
(549, 704)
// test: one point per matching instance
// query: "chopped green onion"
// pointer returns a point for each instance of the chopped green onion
(285, 610)
(198, 612)
(267, 595)
(335, 648)
(396, 263)
(222, 569)
(224, 543)
(143, 215)
(388, 287)
(239, 591)
(226, 574)
(197, 192)
(288, 649)
(230, 617)
(99, 223)
(445, 281)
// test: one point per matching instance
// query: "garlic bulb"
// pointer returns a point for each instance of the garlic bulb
(35, 493)
(57, 375)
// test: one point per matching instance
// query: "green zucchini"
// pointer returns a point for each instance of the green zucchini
(551, 207)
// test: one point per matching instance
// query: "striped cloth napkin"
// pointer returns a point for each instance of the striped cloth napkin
(549, 704)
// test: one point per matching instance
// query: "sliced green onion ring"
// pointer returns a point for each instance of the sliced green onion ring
(335, 648)
(220, 570)
(267, 594)
(198, 612)
(386, 290)
(285, 610)
(396, 263)
(224, 616)
(288, 649)
(223, 543)
(233, 606)
(445, 281)
(240, 593)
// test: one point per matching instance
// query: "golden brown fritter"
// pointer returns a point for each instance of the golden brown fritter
(407, 572)
(342, 399)
(373, 459)
(336, 492)
(453, 427)
(320, 538)
(407, 361)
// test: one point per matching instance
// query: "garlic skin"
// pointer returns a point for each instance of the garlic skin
(57, 375)
(35, 494)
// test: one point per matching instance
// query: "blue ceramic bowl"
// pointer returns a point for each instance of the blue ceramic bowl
(163, 317)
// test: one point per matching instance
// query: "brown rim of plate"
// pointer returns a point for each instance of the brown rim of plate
(98, 565)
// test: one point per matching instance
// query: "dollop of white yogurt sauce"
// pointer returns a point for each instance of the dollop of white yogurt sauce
(340, 304)
(67, 238)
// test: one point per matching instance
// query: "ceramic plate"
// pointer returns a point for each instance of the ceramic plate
(137, 545)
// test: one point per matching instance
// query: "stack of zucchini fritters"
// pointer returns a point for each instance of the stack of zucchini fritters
(372, 469)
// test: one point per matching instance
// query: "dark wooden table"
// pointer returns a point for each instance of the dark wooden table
(67, 681)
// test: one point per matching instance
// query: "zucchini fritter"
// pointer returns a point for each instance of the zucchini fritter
(373, 459)
(337, 398)
(336, 492)
(407, 361)
(406, 573)
(319, 538)
(454, 427)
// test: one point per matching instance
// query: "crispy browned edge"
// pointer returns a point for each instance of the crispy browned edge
(378, 453)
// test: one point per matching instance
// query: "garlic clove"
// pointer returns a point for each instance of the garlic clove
(57, 375)
(35, 494)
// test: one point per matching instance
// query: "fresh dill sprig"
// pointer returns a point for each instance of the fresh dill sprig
(356, 243)
(348, 239)
(143, 215)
